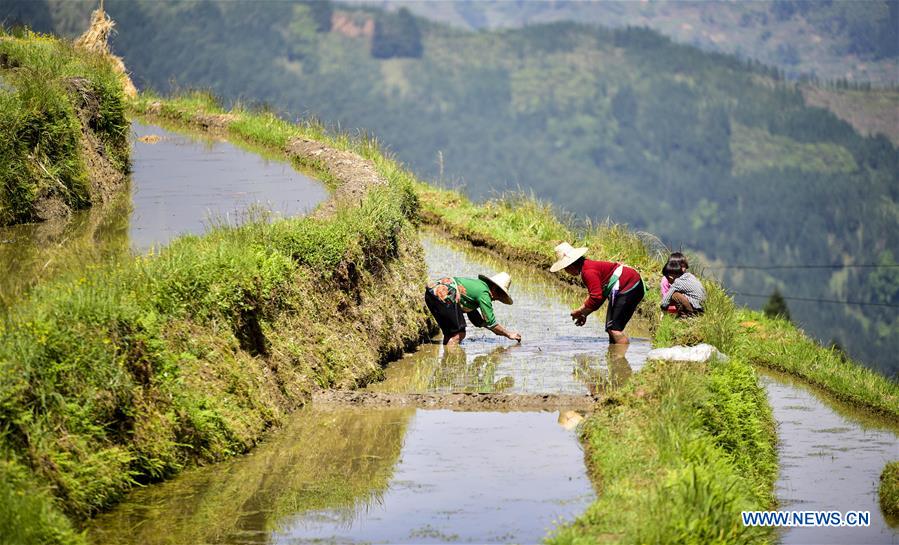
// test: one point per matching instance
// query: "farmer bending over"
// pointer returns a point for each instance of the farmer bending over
(451, 297)
(686, 292)
(618, 283)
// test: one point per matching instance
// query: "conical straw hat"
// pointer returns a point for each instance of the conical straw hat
(500, 281)
(566, 254)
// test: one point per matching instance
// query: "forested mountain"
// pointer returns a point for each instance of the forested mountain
(832, 39)
(713, 154)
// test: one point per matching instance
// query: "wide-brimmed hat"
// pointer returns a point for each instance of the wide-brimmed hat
(566, 254)
(501, 282)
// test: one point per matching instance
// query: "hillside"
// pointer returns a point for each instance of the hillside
(833, 40)
(714, 154)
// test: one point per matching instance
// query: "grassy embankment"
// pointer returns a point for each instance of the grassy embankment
(128, 371)
(889, 489)
(65, 134)
(681, 450)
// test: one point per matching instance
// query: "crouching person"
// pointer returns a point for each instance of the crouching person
(686, 292)
(451, 298)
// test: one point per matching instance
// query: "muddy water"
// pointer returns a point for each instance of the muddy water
(375, 475)
(553, 357)
(179, 184)
(831, 457)
(372, 476)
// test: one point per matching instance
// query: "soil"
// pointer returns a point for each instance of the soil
(105, 178)
(352, 174)
(457, 401)
(214, 123)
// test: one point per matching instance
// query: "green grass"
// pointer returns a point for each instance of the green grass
(669, 471)
(519, 226)
(128, 371)
(777, 344)
(49, 86)
(676, 455)
(889, 489)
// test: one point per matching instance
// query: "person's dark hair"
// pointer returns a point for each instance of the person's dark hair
(678, 260)
(672, 269)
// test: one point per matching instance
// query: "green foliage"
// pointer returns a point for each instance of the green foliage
(757, 149)
(27, 512)
(889, 489)
(396, 36)
(128, 371)
(776, 307)
(51, 88)
(622, 124)
(678, 454)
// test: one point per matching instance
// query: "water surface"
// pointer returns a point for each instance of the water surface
(553, 357)
(182, 182)
(831, 457)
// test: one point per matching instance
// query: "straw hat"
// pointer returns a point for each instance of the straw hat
(501, 282)
(566, 255)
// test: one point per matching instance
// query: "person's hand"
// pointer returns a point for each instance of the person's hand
(515, 336)
(579, 317)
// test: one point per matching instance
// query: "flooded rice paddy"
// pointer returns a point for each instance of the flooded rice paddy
(410, 475)
(180, 184)
(553, 357)
(372, 476)
(831, 457)
(405, 475)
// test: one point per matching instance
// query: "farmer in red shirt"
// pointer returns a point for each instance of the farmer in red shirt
(618, 283)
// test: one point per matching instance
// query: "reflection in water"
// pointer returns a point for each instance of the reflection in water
(481, 477)
(179, 183)
(446, 370)
(542, 363)
(830, 459)
(340, 460)
(466, 478)
(601, 374)
(35, 252)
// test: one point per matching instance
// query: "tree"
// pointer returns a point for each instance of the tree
(396, 36)
(776, 307)
(34, 14)
(321, 12)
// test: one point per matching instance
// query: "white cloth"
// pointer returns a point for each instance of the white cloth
(700, 353)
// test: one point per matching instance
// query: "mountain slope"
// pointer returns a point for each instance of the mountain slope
(833, 39)
(714, 154)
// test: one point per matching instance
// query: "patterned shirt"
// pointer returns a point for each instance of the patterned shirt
(471, 294)
(690, 286)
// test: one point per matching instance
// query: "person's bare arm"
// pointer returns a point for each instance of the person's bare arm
(503, 332)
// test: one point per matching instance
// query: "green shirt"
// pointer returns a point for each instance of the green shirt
(476, 295)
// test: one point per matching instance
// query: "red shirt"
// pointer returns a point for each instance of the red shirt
(596, 274)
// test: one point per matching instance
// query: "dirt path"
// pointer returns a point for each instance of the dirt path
(457, 401)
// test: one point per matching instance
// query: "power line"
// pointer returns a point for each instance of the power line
(814, 300)
(771, 267)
